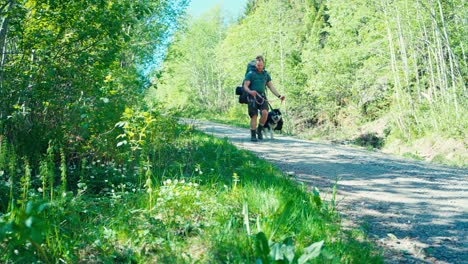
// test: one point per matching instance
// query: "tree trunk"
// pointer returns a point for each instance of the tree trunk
(396, 78)
(451, 60)
(3, 35)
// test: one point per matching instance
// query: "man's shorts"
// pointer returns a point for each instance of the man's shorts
(254, 107)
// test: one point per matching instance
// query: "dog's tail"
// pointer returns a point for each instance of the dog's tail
(279, 126)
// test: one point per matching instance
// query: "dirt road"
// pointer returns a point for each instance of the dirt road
(417, 212)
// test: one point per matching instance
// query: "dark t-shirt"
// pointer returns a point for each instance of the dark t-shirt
(258, 80)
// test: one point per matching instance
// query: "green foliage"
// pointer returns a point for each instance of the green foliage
(25, 183)
(135, 187)
(69, 69)
(27, 226)
(187, 207)
(63, 173)
(429, 85)
(283, 252)
(341, 64)
(195, 77)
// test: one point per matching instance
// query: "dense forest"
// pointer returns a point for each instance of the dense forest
(94, 168)
(388, 73)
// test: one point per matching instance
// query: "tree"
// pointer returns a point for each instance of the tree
(191, 72)
(69, 68)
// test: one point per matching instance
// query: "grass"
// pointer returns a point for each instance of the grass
(200, 200)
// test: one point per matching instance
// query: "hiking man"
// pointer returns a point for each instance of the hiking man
(254, 84)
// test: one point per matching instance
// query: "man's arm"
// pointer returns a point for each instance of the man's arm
(273, 90)
(246, 88)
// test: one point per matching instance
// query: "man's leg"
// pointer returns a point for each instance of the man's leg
(253, 124)
(253, 113)
(263, 119)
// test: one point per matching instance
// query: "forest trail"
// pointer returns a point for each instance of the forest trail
(417, 212)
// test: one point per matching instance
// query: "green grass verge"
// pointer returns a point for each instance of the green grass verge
(208, 203)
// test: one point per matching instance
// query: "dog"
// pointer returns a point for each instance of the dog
(274, 122)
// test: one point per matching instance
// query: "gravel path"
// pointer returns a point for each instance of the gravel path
(417, 212)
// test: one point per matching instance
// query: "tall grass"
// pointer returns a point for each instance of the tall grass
(183, 198)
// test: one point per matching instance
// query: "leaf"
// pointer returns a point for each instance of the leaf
(317, 199)
(28, 223)
(108, 78)
(42, 207)
(29, 208)
(281, 251)
(37, 235)
(289, 250)
(121, 124)
(5, 228)
(122, 143)
(262, 247)
(276, 252)
(311, 252)
(245, 212)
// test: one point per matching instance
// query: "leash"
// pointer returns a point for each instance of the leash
(271, 107)
(262, 101)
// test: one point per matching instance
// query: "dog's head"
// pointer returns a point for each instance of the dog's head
(275, 115)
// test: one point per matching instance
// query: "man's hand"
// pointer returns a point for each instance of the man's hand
(282, 97)
(253, 93)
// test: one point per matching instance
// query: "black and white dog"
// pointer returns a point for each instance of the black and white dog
(274, 122)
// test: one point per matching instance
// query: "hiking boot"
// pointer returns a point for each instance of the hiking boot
(253, 136)
(259, 132)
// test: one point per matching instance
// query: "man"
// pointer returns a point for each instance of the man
(254, 84)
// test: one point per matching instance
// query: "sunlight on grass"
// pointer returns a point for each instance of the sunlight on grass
(201, 200)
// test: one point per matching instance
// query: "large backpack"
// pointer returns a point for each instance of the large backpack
(243, 95)
(251, 67)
